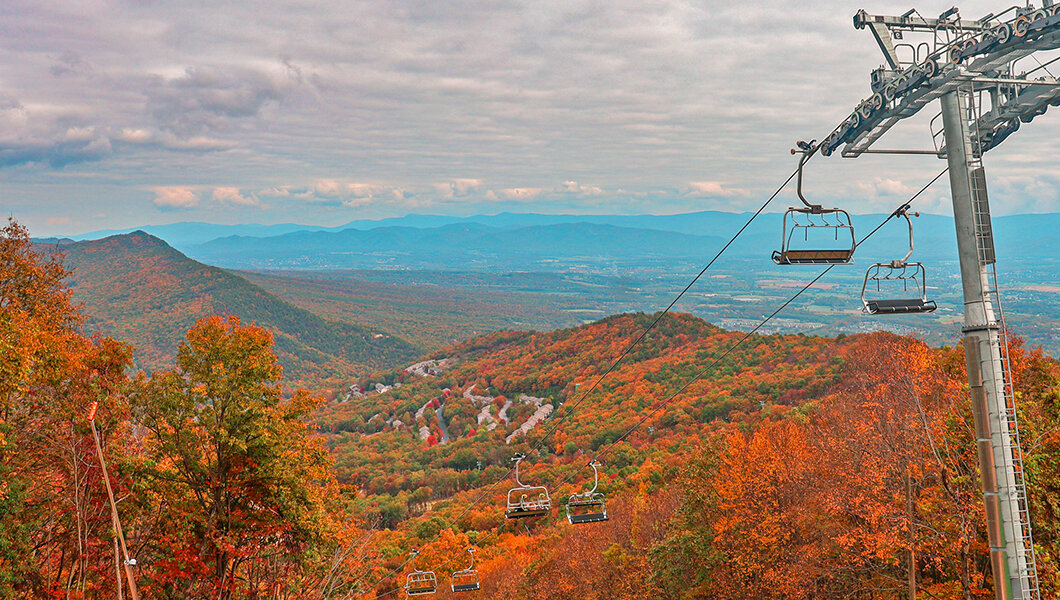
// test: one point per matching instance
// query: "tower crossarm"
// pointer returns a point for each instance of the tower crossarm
(886, 28)
(1023, 103)
(973, 50)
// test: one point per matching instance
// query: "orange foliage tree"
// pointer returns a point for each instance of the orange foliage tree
(55, 538)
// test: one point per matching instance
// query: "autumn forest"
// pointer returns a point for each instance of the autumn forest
(795, 467)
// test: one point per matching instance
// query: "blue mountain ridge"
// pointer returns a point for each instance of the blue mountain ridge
(507, 244)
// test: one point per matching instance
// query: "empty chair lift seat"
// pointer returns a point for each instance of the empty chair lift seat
(813, 257)
(587, 507)
(907, 305)
(466, 580)
(586, 510)
(897, 278)
(419, 582)
(465, 583)
(812, 234)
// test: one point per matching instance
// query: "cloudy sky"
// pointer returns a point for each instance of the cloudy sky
(116, 113)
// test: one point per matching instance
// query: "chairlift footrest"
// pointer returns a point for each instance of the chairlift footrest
(523, 514)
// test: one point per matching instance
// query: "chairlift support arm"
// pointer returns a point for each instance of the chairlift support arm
(805, 151)
(596, 476)
(904, 211)
(518, 458)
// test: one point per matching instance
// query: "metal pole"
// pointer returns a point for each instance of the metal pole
(134, 593)
(1000, 461)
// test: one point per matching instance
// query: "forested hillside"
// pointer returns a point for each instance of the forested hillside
(735, 467)
(801, 467)
(136, 288)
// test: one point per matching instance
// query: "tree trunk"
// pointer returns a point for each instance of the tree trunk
(911, 570)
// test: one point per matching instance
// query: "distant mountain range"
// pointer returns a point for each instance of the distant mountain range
(549, 242)
(139, 289)
(460, 245)
(541, 245)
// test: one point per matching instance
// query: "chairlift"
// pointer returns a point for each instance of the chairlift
(909, 275)
(466, 580)
(418, 582)
(811, 220)
(587, 507)
(526, 501)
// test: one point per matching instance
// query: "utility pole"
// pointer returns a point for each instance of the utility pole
(993, 404)
(134, 592)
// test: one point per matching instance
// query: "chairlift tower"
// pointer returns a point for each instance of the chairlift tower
(973, 68)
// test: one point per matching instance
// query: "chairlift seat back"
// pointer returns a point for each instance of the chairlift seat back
(806, 249)
(586, 508)
(524, 502)
(421, 582)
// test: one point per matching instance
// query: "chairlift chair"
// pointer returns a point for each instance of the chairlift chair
(526, 501)
(419, 582)
(587, 507)
(467, 579)
(811, 220)
(910, 276)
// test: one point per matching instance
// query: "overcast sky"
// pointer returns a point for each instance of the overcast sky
(122, 113)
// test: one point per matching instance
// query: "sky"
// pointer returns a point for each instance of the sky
(118, 113)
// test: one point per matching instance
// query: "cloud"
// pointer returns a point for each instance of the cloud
(573, 187)
(69, 63)
(133, 136)
(881, 186)
(457, 188)
(175, 197)
(231, 195)
(351, 194)
(41, 134)
(198, 143)
(521, 193)
(282, 191)
(210, 98)
(578, 99)
(714, 189)
(341, 189)
(169, 141)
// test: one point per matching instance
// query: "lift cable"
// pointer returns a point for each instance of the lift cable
(581, 398)
(569, 410)
(607, 449)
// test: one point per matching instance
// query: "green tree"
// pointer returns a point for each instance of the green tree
(233, 463)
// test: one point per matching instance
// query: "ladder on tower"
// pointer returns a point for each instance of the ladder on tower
(1016, 489)
(1029, 572)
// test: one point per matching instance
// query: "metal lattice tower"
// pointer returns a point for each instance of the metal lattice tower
(970, 65)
